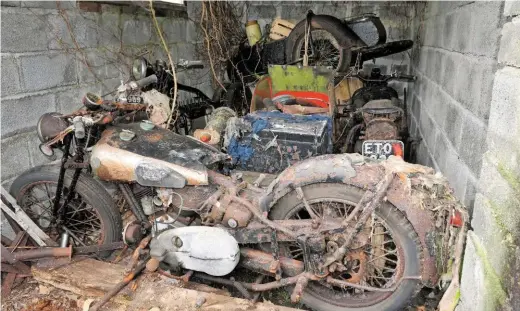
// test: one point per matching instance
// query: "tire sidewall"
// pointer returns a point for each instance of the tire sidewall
(90, 190)
(395, 220)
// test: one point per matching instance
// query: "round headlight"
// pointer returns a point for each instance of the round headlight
(49, 125)
(139, 68)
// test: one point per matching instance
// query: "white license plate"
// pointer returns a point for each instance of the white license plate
(382, 149)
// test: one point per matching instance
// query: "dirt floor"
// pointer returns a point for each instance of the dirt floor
(31, 296)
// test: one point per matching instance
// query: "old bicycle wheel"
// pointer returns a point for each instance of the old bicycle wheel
(384, 252)
(92, 218)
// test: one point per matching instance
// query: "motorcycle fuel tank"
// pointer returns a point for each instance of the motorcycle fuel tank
(153, 157)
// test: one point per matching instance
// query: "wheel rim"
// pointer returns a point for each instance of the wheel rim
(377, 265)
(326, 49)
(82, 219)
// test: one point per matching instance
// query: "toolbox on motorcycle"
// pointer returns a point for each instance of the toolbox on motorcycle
(269, 142)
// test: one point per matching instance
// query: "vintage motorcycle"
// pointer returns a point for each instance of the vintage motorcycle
(376, 119)
(191, 102)
(340, 232)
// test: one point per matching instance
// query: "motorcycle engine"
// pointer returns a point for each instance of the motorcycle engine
(382, 119)
(210, 250)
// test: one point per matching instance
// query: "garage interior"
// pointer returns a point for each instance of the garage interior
(464, 105)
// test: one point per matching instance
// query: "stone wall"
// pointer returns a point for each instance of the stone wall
(44, 55)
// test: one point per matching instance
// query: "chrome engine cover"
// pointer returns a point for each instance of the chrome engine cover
(206, 249)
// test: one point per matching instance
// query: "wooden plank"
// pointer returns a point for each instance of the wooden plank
(93, 278)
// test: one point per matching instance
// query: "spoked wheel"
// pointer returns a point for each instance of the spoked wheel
(91, 217)
(325, 49)
(332, 41)
(379, 257)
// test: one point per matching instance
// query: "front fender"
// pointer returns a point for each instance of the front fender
(355, 170)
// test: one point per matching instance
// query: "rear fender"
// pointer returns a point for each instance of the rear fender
(355, 170)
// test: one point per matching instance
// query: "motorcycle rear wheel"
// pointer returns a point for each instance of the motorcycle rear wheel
(323, 297)
(92, 215)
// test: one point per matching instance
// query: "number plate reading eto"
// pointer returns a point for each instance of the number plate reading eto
(382, 149)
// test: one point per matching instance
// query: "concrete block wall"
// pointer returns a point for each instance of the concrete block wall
(455, 61)
(466, 108)
(43, 65)
(495, 236)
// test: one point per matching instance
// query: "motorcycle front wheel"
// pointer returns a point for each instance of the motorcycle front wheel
(391, 253)
(91, 219)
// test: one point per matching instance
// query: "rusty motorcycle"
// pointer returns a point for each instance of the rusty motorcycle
(339, 232)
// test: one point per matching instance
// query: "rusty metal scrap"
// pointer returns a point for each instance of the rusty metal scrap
(262, 262)
(59, 251)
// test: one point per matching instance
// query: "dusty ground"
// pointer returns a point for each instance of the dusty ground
(31, 296)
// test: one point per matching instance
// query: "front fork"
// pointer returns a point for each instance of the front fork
(77, 163)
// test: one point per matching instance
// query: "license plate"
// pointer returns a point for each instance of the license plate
(382, 149)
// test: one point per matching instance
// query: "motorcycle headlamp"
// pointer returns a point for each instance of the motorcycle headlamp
(139, 68)
(50, 125)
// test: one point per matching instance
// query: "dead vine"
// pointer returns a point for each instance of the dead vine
(172, 66)
(222, 33)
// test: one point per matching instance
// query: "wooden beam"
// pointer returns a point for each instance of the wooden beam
(94, 278)
(25, 222)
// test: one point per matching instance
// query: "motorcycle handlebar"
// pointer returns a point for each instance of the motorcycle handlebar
(387, 78)
(406, 77)
(146, 81)
(191, 64)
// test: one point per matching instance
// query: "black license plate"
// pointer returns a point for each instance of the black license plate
(382, 149)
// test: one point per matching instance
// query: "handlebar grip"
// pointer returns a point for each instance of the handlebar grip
(188, 64)
(79, 128)
(146, 81)
(406, 77)
(195, 64)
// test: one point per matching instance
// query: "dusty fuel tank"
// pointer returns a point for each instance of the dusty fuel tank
(152, 157)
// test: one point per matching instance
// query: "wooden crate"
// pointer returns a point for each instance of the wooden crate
(280, 29)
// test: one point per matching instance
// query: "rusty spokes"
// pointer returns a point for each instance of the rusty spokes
(373, 260)
(82, 221)
(326, 49)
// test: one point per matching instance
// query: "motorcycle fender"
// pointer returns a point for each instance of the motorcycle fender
(355, 170)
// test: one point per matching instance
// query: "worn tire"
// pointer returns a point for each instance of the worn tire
(90, 191)
(344, 36)
(401, 230)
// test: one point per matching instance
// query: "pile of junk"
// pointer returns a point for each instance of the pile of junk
(301, 175)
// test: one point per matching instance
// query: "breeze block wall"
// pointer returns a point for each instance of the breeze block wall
(492, 259)
(466, 109)
(455, 62)
(51, 56)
